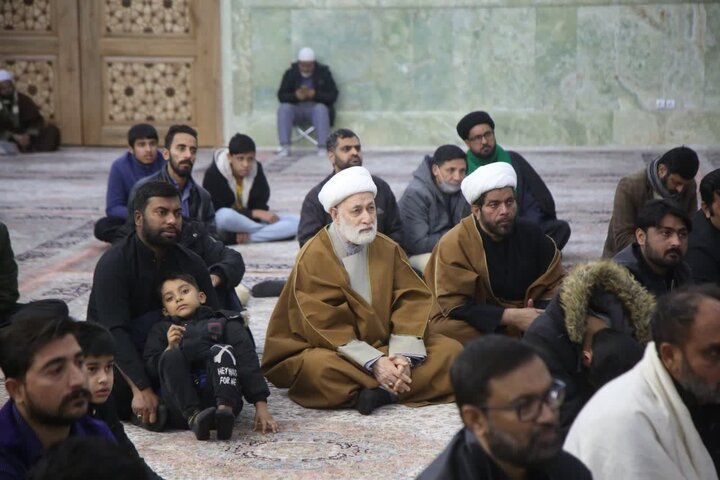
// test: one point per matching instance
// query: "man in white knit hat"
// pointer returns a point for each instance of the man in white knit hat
(493, 271)
(349, 328)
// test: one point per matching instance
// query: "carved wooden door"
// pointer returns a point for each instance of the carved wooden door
(154, 61)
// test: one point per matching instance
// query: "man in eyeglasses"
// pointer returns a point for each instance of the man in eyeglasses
(661, 419)
(535, 202)
(656, 258)
(509, 405)
(492, 272)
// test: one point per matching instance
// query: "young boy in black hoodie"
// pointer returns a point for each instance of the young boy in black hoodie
(98, 347)
(205, 362)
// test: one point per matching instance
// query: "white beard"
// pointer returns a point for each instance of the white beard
(447, 187)
(353, 234)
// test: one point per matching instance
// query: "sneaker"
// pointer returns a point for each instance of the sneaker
(201, 422)
(283, 152)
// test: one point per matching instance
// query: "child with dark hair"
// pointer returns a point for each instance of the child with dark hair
(205, 361)
(98, 346)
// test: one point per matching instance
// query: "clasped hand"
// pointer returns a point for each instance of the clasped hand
(393, 373)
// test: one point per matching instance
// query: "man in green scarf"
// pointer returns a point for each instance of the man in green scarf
(534, 200)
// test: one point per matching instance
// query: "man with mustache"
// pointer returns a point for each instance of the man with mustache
(124, 296)
(660, 420)
(671, 176)
(656, 259)
(344, 151)
(534, 200)
(350, 326)
(180, 153)
(432, 202)
(493, 271)
(509, 405)
(48, 388)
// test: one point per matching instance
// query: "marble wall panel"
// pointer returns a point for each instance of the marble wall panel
(551, 72)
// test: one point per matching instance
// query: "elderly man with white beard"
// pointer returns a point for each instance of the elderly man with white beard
(350, 327)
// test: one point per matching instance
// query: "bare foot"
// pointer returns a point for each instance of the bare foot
(242, 237)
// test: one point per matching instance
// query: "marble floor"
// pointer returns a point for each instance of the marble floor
(50, 202)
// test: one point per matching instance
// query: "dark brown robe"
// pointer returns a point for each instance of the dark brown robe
(457, 273)
(318, 312)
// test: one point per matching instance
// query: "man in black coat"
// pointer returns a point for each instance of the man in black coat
(509, 404)
(306, 94)
(344, 150)
(703, 253)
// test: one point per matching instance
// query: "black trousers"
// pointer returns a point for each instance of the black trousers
(183, 392)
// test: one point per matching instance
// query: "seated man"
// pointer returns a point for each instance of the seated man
(661, 240)
(509, 405)
(433, 203)
(307, 94)
(703, 255)
(48, 388)
(534, 200)
(344, 150)
(142, 159)
(671, 176)
(180, 153)
(350, 327)
(240, 193)
(592, 331)
(22, 127)
(124, 296)
(660, 420)
(490, 271)
(9, 293)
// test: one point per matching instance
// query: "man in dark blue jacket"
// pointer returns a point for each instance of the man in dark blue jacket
(306, 94)
(141, 160)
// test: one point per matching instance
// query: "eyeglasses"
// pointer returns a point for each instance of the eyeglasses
(487, 136)
(528, 409)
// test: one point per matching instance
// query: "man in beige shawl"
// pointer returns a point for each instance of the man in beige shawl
(349, 328)
(492, 272)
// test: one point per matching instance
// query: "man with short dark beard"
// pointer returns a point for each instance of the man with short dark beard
(43, 367)
(661, 241)
(492, 272)
(509, 405)
(661, 419)
(350, 326)
(124, 296)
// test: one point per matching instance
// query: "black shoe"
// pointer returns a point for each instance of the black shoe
(268, 288)
(201, 423)
(371, 398)
(160, 420)
(224, 423)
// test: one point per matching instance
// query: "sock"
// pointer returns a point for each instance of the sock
(371, 398)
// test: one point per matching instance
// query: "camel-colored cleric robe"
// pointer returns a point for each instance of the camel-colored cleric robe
(322, 332)
(457, 273)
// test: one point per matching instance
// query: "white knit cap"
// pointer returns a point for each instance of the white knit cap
(306, 54)
(5, 76)
(345, 183)
(488, 177)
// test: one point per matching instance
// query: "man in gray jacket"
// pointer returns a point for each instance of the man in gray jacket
(432, 203)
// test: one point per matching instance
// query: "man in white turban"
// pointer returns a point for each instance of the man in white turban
(350, 326)
(492, 272)
(22, 127)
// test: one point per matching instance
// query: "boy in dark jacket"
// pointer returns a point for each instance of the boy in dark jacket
(98, 347)
(205, 361)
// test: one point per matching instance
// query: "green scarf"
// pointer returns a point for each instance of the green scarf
(499, 155)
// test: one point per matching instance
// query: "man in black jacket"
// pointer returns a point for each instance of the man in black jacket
(124, 295)
(703, 253)
(307, 94)
(509, 404)
(240, 193)
(656, 258)
(344, 150)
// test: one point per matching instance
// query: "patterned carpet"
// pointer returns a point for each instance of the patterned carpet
(50, 202)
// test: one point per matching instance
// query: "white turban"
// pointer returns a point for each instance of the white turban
(306, 54)
(5, 76)
(488, 177)
(344, 184)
